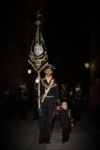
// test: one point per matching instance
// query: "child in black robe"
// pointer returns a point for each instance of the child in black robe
(66, 121)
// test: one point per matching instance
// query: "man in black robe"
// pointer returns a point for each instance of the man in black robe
(50, 101)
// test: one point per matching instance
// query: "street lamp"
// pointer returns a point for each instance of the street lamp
(87, 65)
(29, 71)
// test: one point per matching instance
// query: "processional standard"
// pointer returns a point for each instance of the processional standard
(38, 57)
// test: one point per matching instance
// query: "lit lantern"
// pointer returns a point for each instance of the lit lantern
(29, 71)
(87, 65)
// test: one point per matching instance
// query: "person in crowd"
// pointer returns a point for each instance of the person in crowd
(7, 103)
(85, 105)
(94, 94)
(71, 96)
(50, 101)
(66, 121)
(35, 106)
(78, 100)
(64, 91)
(24, 102)
(17, 100)
(13, 104)
(1, 105)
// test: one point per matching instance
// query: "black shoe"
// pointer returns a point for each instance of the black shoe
(40, 142)
(47, 142)
(63, 141)
(35, 119)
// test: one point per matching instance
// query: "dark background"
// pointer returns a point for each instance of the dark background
(66, 32)
(66, 35)
(65, 27)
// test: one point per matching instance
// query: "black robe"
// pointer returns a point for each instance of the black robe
(47, 109)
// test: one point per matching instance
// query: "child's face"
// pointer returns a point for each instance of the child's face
(64, 105)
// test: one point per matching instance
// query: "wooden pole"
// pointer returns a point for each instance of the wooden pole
(39, 92)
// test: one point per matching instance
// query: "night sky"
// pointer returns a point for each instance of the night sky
(65, 27)
(66, 32)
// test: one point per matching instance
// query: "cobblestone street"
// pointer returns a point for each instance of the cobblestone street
(17, 134)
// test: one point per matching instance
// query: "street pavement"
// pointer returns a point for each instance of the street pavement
(18, 134)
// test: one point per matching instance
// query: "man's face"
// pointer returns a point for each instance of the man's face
(64, 105)
(48, 72)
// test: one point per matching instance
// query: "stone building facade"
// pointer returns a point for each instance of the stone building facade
(94, 26)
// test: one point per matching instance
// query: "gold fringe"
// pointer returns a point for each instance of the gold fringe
(35, 68)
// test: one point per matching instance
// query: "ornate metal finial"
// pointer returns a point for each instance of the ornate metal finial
(38, 22)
